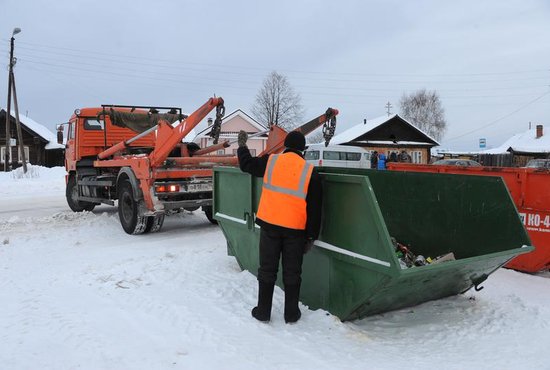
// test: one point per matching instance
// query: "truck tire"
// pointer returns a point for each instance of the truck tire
(154, 223)
(71, 193)
(128, 210)
(208, 212)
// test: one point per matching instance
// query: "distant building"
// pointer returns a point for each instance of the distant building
(39, 144)
(231, 125)
(387, 135)
(519, 149)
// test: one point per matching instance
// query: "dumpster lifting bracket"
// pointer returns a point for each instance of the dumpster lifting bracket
(478, 280)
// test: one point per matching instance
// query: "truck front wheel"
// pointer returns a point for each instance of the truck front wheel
(71, 194)
(128, 210)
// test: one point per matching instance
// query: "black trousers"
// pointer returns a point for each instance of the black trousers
(275, 244)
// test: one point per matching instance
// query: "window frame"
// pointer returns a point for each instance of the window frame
(26, 151)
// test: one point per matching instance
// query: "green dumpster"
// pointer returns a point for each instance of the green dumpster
(355, 271)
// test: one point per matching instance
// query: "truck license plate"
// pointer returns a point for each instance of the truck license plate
(199, 187)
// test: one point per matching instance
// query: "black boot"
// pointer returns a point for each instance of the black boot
(262, 311)
(292, 312)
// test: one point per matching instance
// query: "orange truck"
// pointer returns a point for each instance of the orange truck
(530, 191)
(151, 173)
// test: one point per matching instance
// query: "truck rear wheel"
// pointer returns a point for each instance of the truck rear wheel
(208, 212)
(71, 193)
(128, 210)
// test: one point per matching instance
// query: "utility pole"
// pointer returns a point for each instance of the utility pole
(18, 124)
(388, 107)
(11, 89)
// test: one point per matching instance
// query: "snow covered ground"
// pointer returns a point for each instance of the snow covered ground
(76, 292)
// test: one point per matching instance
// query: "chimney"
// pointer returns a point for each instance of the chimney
(209, 121)
(539, 131)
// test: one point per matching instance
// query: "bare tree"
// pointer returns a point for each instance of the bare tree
(424, 110)
(277, 103)
(316, 136)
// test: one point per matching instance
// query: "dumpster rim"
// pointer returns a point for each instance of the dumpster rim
(339, 250)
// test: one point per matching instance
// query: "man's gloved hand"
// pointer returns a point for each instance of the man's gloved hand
(242, 138)
(309, 245)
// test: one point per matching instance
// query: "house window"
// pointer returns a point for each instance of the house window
(220, 152)
(416, 156)
(3, 154)
(19, 158)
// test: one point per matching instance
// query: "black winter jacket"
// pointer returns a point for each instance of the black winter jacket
(256, 167)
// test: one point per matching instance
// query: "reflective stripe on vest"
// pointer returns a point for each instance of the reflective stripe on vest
(284, 192)
(302, 190)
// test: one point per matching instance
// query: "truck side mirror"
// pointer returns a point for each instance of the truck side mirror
(60, 134)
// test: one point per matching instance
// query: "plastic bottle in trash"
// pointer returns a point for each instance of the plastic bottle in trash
(419, 260)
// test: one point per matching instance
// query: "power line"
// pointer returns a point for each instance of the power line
(31, 53)
(241, 84)
(305, 90)
(86, 53)
(501, 118)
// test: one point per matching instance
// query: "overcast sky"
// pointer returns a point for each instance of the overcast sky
(489, 60)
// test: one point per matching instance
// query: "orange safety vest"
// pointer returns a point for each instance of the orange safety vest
(284, 191)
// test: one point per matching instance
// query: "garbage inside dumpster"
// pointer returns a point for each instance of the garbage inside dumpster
(468, 224)
(530, 192)
(408, 259)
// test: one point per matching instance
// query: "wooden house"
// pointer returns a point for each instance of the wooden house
(387, 135)
(40, 144)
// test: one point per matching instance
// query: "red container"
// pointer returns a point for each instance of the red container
(530, 190)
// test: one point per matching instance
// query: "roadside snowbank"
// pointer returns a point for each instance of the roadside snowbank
(77, 292)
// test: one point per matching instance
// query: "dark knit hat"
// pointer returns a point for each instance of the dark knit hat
(295, 140)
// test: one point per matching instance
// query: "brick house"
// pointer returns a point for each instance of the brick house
(231, 125)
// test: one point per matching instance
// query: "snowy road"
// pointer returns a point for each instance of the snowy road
(76, 292)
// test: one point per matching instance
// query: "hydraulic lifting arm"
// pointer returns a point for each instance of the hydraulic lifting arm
(277, 135)
(168, 136)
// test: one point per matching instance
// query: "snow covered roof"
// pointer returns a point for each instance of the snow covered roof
(40, 130)
(361, 129)
(237, 112)
(526, 142)
(389, 142)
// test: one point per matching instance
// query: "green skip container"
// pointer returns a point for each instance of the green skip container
(354, 270)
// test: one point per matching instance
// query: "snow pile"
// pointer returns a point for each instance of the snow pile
(37, 179)
(77, 292)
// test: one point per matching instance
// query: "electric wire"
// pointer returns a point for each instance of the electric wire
(499, 119)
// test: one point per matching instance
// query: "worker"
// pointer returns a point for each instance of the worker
(374, 160)
(289, 216)
(381, 161)
(405, 157)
